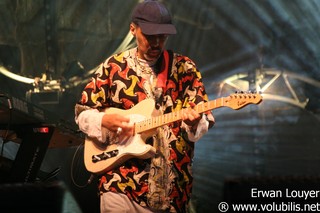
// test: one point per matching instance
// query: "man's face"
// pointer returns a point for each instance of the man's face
(150, 47)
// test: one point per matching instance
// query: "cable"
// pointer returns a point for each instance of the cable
(91, 177)
(51, 175)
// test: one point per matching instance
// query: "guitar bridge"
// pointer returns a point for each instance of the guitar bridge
(105, 156)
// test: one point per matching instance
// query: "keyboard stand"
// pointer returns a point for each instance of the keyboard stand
(33, 147)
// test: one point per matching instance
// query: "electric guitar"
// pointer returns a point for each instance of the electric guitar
(99, 158)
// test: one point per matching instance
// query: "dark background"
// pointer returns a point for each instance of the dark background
(270, 46)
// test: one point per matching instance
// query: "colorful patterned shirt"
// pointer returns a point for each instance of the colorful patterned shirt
(122, 81)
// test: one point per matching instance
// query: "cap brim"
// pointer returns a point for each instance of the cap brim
(156, 29)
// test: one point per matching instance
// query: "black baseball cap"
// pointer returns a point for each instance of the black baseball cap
(153, 18)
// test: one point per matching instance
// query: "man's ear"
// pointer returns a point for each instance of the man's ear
(133, 29)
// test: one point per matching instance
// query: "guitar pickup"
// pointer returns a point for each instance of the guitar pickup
(105, 156)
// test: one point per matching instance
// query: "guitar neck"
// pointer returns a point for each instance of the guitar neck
(234, 101)
(157, 121)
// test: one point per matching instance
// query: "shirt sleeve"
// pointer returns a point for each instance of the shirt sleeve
(202, 128)
(89, 122)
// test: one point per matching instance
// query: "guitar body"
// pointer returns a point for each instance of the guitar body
(99, 158)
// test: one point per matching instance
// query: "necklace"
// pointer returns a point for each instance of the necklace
(144, 66)
(146, 70)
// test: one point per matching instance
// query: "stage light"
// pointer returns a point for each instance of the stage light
(16, 77)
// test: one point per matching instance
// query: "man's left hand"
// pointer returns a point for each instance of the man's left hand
(190, 116)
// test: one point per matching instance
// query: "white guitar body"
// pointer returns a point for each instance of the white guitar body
(99, 158)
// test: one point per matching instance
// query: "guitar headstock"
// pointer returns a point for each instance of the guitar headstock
(239, 100)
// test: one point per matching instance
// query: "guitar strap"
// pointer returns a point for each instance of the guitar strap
(165, 67)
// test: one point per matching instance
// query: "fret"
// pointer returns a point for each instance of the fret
(161, 120)
(154, 122)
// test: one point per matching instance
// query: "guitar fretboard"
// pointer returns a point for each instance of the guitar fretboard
(167, 118)
(235, 101)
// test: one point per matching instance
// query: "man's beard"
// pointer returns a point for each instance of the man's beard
(153, 54)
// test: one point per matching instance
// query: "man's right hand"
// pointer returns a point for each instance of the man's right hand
(115, 121)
